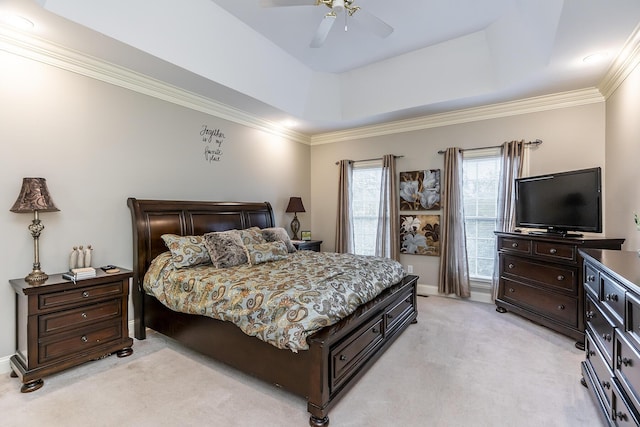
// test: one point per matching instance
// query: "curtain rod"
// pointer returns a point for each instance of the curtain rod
(536, 143)
(369, 160)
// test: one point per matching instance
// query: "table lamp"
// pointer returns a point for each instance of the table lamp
(295, 206)
(34, 197)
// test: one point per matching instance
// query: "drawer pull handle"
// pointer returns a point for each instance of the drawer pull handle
(612, 297)
(84, 315)
(511, 265)
(389, 316)
(606, 384)
(622, 416)
(590, 314)
(511, 290)
(625, 361)
(561, 307)
(85, 294)
(343, 357)
(591, 353)
(606, 337)
(560, 277)
(375, 330)
(514, 245)
(553, 251)
(591, 278)
(84, 338)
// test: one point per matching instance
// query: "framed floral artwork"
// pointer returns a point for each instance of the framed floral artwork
(420, 190)
(420, 234)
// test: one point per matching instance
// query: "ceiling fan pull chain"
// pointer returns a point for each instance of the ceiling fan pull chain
(346, 28)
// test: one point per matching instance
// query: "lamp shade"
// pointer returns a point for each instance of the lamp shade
(295, 205)
(34, 196)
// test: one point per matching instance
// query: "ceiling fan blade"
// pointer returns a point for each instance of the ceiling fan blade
(323, 30)
(279, 3)
(373, 23)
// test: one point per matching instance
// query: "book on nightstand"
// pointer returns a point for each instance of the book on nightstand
(79, 273)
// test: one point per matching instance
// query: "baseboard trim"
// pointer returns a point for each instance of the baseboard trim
(477, 294)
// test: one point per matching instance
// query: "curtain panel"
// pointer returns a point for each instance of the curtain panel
(344, 220)
(454, 267)
(388, 235)
(512, 164)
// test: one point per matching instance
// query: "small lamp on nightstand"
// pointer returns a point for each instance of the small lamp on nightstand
(34, 197)
(295, 206)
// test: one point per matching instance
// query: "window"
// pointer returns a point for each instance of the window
(481, 173)
(366, 181)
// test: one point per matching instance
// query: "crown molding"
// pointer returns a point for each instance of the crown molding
(626, 61)
(505, 109)
(50, 53)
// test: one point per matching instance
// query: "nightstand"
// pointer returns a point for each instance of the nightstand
(61, 324)
(307, 245)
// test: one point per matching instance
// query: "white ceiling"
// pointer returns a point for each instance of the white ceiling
(443, 54)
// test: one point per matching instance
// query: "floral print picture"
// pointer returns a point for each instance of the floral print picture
(420, 190)
(420, 234)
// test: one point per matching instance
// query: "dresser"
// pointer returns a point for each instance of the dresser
(541, 279)
(60, 324)
(611, 370)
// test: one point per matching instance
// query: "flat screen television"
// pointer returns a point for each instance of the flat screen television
(561, 202)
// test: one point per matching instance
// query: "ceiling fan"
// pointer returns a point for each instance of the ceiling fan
(369, 21)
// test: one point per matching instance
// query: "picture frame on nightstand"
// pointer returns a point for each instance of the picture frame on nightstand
(305, 235)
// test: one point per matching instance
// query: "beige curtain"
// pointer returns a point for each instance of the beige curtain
(387, 238)
(511, 168)
(454, 267)
(344, 220)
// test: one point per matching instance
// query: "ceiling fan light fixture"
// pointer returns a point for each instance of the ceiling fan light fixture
(338, 6)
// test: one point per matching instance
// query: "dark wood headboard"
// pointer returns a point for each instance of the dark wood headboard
(153, 218)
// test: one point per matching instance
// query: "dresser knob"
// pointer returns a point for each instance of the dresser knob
(606, 337)
(606, 384)
(626, 361)
(553, 251)
(85, 294)
(591, 353)
(561, 307)
(611, 297)
(514, 245)
(84, 315)
(84, 338)
(511, 290)
(590, 314)
(375, 330)
(560, 277)
(389, 316)
(511, 265)
(622, 416)
(591, 278)
(343, 357)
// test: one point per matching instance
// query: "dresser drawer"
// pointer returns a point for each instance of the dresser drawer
(80, 295)
(602, 368)
(613, 298)
(349, 355)
(558, 277)
(77, 318)
(562, 308)
(554, 250)
(592, 280)
(623, 415)
(397, 314)
(627, 368)
(601, 327)
(632, 325)
(514, 245)
(73, 344)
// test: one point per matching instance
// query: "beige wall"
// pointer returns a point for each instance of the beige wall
(573, 138)
(623, 158)
(97, 144)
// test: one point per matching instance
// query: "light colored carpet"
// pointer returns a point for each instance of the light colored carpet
(463, 364)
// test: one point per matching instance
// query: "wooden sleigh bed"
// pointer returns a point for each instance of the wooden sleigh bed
(338, 355)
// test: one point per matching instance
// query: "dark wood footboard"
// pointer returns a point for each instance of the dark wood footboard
(338, 355)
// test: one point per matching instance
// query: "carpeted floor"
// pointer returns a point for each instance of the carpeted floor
(467, 366)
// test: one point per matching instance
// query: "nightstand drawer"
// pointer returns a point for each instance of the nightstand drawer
(77, 318)
(81, 295)
(70, 345)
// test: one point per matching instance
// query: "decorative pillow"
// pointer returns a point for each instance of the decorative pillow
(252, 236)
(225, 248)
(265, 252)
(278, 234)
(186, 251)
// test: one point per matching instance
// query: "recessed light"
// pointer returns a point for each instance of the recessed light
(18, 21)
(595, 57)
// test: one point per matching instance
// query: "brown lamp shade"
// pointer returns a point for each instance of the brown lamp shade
(295, 205)
(34, 196)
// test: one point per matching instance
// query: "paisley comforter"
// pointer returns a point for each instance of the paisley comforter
(280, 302)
